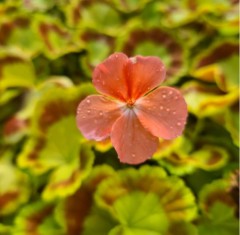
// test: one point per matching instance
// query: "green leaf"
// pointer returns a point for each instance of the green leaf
(15, 71)
(130, 5)
(75, 212)
(176, 199)
(92, 19)
(41, 5)
(56, 149)
(36, 218)
(230, 79)
(55, 37)
(5, 229)
(135, 213)
(20, 35)
(216, 53)
(221, 221)
(140, 213)
(205, 100)
(183, 228)
(56, 145)
(98, 222)
(14, 188)
(66, 179)
(210, 157)
(157, 42)
(232, 122)
(55, 138)
(217, 191)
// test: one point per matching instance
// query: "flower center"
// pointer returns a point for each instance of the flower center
(130, 103)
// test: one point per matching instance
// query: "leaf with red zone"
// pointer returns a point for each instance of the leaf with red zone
(171, 51)
(56, 38)
(176, 198)
(216, 53)
(205, 100)
(10, 25)
(217, 191)
(11, 195)
(15, 129)
(73, 214)
(55, 133)
(36, 218)
(15, 70)
(52, 108)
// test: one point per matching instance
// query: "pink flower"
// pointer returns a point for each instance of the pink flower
(132, 110)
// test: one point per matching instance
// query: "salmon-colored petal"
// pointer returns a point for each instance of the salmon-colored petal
(132, 142)
(163, 112)
(144, 74)
(95, 116)
(109, 76)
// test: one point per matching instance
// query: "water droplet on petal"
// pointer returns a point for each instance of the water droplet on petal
(100, 113)
(88, 101)
(161, 107)
(88, 111)
(133, 60)
(163, 96)
(83, 117)
(170, 92)
(168, 109)
(133, 155)
(176, 97)
(171, 127)
(179, 124)
(174, 113)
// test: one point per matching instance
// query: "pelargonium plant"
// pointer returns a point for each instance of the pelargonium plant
(132, 109)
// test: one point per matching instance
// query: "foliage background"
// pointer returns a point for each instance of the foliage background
(55, 182)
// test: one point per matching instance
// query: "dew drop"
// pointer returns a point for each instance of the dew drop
(88, 101)
(116, 56)
(133, 155)
(83, 117)
(168, 109)
(179, 124)
(133, 60)
(88, 111)
(170, 92)
(100, 113)
(176, 97)
(174, 113)
(171, 127)
(163, 96)
(161, 107)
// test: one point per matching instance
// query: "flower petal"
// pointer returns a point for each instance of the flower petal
(96, 115)
(109, 76)
(144, 74)
(132, 142)
(163, 112)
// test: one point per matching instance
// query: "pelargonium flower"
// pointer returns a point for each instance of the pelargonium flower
(132, 110)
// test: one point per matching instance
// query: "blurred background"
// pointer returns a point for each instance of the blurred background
(55, 182)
